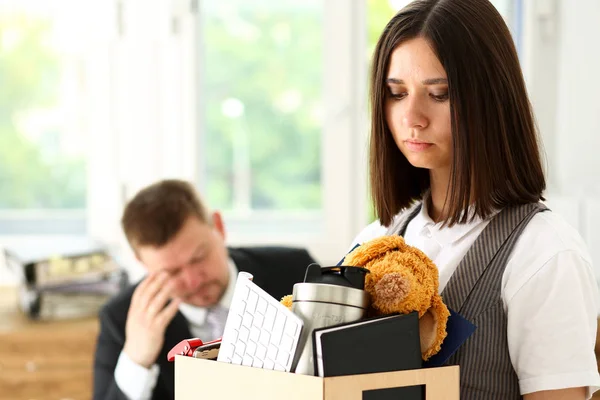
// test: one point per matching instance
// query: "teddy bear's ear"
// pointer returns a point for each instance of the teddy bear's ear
(432, 327)
(427, 332)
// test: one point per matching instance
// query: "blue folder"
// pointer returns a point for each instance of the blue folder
(459, 330)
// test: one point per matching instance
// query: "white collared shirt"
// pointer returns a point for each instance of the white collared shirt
(196, 316)
(137, 382)
(549, 293)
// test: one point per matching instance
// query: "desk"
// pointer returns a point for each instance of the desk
(44, 360)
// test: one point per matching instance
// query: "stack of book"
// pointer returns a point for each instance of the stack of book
(66, 284)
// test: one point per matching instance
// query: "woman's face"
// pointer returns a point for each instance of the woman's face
(417, 109)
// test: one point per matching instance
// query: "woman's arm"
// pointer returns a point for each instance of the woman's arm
(563, 394)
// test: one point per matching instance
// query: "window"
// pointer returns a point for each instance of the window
(42, 123)
(282, 128)
(261, 97)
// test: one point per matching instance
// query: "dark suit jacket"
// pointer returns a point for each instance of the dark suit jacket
(275, 269)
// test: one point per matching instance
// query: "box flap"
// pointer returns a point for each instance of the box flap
(204, 379)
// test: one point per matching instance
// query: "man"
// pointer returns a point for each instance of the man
(190, 283)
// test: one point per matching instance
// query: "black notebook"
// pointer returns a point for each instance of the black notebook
(380, 344)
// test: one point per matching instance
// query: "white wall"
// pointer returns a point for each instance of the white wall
(146, 131)
(578, 117)
(562, 64)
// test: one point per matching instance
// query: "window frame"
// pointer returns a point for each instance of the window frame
(326, 233)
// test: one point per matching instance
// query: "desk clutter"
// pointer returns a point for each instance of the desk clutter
(260, 331)
(344, 320)
(58, 284)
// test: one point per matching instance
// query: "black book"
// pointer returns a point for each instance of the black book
(380, 344)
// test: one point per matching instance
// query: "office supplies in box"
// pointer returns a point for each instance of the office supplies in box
(196, 348)
(459, 330)
(378, 344)
(328, 296)
(402, 279)
(259, 331)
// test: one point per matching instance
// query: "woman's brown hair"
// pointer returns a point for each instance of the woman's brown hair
(497, 159)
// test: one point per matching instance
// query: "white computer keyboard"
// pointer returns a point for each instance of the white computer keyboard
(260, 331)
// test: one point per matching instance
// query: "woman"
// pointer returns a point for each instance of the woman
(455, 168)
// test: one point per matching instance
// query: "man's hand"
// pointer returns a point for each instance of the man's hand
(148, 318)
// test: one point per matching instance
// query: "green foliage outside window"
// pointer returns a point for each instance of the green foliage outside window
(34, 173)
(265, 56)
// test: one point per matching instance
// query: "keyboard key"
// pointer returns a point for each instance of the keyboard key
(252, 300)
(247, 321)
(233, 336)
(239, 307)
(227, 351)
(279, 368)
(251, 348)
(244, 292)
(270, 317)
(247, 361)
(244, 334)
(286, 343)
(272, 352)
(282, 357)
(254, 334)
(237, 359)
(265, 338)
(236, 320)
(269, 364)
(257, 363)
(240, 348)
(261, 352)
(262, 306)
(290, 327)
(258, 320)
(278, 328)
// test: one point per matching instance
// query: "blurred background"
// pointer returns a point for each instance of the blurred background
(262, 104)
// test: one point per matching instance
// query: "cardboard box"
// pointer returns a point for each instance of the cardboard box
(197, 379)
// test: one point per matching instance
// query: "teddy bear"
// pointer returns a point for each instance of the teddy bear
(401, 279)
